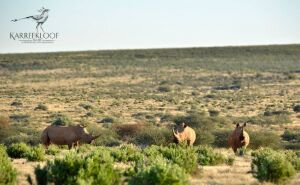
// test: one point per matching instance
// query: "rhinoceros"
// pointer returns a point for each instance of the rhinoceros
(188, 134)
(66, 135)
(238, 138)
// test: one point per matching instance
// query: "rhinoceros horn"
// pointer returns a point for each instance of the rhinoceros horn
(175, 134)
(95, 137)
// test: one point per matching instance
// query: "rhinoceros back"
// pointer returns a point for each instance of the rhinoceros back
(62, 135)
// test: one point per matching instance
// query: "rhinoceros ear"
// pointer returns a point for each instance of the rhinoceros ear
(237, 125)
(245, 124)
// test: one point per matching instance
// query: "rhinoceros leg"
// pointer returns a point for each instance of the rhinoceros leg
(70, 145)
(234, 149)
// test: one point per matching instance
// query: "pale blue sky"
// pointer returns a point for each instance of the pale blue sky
(119, 24)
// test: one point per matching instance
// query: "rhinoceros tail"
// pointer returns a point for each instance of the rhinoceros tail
(45, 138)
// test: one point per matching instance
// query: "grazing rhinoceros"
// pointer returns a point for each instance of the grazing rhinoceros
(188, 134)
(66, 135)
(238, 138)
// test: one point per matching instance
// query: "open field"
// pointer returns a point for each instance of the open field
(135, 96)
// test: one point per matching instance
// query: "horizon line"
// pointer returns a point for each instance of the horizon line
(149, 48)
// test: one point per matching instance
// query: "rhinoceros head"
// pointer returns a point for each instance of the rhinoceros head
(177, 138)
(86, 137)
(240, 130)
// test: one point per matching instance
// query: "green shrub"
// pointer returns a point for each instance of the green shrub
(6, 131)
(291, 135)
(20, 117)
(204, 138)
(18, 150)
(291, 76)
(153, 135)
(159, 172)
(99, 169)
(296, 108)
(127, 131)
(86, 106)
(126, 153)
(270, 165)
(270, 120)
(9, 140)
(207, 156)
(272, 113)
(164, 88)
(8, 175)
(185, 157)
(41, 175)
(65, 170)
(264, 139)
(107, 120)
(95, 168)
(16, 103)
(54, 149)
(61, 119)
(221, 138)
(41, 106)
(108, 137)
(36, 153)
(293, 158)
(213, 113)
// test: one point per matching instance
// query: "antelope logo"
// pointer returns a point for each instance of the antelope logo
(40, 19)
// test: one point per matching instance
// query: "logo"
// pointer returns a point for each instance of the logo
(40, 36)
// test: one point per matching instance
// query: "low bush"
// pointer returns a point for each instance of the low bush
(108, 137)
(159, 172)
(221, 138)
(36, 153)
(95, 168)
(296, 108)
(264, 139)
(12, 139)
(152, 135)
(291, 135)
(164, 88)
(18, 150)
(65, 170)
(61, 119)
(213, 113)
(16, 103)
(41, 175)
(41, 106)
(183, 156)
(21, 150)
(270, 165)
(8, 175)
(292, 145)
(293, 158)
(4, 121)
(20, 117)
(86, 106)
(204, 138)
(53, 150)
(127, 131)
(107, 120)
(99, 169)
(207, 156)
(126, 153)
(270, 120)
(6, 131)
(272, 113)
